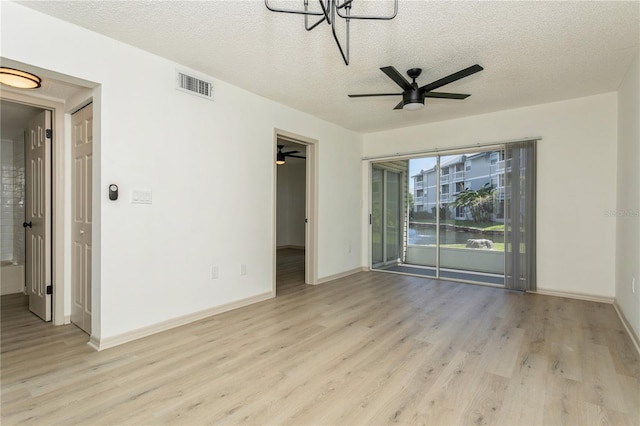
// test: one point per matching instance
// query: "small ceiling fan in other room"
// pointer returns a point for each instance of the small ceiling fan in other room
(413, 96)
(280, 157)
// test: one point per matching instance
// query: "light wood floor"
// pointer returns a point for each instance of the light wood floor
(373, 348)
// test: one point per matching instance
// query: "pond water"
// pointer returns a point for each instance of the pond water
(425, 234)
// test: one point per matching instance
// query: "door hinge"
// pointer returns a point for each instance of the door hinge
(306, 220)
(48, 133)
(369, 219)
(49, 289)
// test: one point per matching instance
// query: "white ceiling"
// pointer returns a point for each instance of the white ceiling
(533, 52)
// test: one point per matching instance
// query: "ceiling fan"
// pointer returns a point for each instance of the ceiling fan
(280, 157)
(413, 96)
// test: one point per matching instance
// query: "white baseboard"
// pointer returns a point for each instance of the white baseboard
(627, 325)
(579, 296)
(94, 343)
(109, 342)
(341, 275)
(609, 300)
(290, 247)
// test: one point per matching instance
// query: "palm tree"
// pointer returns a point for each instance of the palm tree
(479, 202)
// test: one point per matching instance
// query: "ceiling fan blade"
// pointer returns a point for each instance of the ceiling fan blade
(297, 156)
(375, 94)
(394, 75)
(453, 77)
(290, 152)
(400, 105)
(446, 95)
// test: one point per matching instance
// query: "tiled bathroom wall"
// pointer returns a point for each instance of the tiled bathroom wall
(6, 208)
(18, 200)
(12, 175)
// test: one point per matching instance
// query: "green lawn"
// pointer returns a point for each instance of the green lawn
(486, 226)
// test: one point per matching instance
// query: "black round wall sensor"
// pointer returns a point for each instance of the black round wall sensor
(113, 192)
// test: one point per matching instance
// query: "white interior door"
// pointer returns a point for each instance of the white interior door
(82, 160)
(38, 215)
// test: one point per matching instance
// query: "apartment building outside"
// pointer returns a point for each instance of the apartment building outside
(459, 172)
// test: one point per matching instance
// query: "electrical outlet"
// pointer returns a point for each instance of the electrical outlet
(214, 273)
(243, 269)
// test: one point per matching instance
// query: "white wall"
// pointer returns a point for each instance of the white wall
(154, 261)
(290, 225)
(627, 211)
(576, 180)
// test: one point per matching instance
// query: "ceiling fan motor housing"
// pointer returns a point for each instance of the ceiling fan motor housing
(412, 97)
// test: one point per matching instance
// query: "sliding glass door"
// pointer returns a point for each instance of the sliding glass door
(377, 202)
(471, 231)
(386, 216)
(444, 216)
(393, 218)
(422, 242)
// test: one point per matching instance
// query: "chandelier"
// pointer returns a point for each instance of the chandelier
(330, 11)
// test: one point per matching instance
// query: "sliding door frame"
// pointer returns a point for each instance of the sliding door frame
(402, 201)
(500, 146)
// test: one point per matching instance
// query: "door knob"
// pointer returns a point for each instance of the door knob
(81, 232)
(27, 225)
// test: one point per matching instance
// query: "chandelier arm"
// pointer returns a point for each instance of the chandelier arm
(379, 18)
(296, 12)
(306, 18)
(345, 58)
(329, 11)
(331, 8)
(306, 23)
(345, 4)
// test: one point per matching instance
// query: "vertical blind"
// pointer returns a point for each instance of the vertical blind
(520, 216)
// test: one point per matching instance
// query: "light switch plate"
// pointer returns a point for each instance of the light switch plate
(141, 196)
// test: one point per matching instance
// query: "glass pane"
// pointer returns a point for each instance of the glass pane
(421, 248)
(376, 216)
(472, 216)
(393, 216)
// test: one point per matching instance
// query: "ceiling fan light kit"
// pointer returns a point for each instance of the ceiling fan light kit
(330, 11)
(413, 96)
(281, 156)
(413, 106)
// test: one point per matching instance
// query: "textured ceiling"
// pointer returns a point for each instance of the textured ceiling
(532, 52)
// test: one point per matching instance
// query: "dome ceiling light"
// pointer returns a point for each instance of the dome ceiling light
(19, 79)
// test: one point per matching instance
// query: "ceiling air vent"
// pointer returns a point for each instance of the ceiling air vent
(194, 85)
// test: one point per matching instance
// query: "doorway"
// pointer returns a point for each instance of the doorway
(60, 96)
(295, 212)
(387, 219)
(27, 137)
